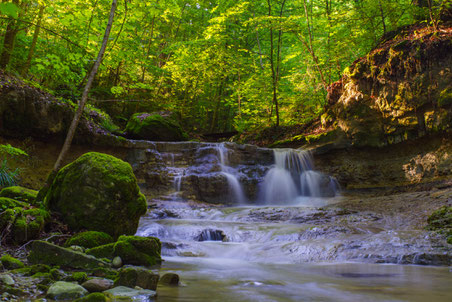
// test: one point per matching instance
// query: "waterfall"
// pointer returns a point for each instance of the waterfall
(293, 176)
(233, 182)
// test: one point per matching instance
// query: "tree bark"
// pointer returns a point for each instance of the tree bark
(81, 105)
(31, 51)
(8, 41)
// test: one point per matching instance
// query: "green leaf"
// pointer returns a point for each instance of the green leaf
(9, 9)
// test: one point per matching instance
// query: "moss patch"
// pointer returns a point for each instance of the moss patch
(94, 297)
(103, 251)
(89, 239)
(20, 194)
(154, 127)
(9, 203)
(441, 221)
(9, 262)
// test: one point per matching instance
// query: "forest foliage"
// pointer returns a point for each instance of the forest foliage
(218, 65)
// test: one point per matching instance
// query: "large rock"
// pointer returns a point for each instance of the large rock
(137, 276)
(47, 253)
(65, 291)
(26, 111)
(401, 90)
(154, 127)
(97, 192)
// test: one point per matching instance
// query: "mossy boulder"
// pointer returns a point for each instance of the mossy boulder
(154, 127)
(43, 252)
(137, 276)
(20, 194)
(138, 250)
(97, 192)
(21, 225)
(133, 250)
(9, 262)
(89, 239)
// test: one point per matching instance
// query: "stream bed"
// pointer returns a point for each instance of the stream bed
(312, 251)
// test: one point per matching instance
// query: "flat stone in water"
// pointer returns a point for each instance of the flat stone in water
(133, 294)
(65, 291)
(6, 279)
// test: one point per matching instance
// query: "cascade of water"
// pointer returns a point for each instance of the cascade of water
(177, 182)
(293, 176)
(234, 184)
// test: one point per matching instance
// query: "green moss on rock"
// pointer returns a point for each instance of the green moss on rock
(9, 262)
(29, 224)
(138, 250)
(89, 239)
(9, 203)
(103, 251)
(20, 194)
(441, 220)
(79, 277)
(97, 192)
(154, 127)
(94, 297)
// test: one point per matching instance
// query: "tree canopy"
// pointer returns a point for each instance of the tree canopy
(218, 65)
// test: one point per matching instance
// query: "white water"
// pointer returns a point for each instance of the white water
(293, 177)
(269, 254)
(235, 188)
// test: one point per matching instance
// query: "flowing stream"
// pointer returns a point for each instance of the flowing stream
(282, 240)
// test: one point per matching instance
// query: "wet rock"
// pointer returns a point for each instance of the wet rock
(211, 235)
(89, 239)
(97, 285)
(61, 290)
(10, 262)
(47, 253)
(170, 279)
(122, 292)
(136, 276)
(6, 279)
(117, 262)
(97, 192)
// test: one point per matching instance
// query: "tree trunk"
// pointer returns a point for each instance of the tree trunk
(31, 51)
(81, 105)
(8, 42)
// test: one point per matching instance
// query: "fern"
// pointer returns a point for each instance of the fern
(8, 177)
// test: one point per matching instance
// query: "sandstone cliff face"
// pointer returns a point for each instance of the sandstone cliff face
(401, 90)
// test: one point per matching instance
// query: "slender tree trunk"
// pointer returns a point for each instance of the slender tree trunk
(151, 38)
(81, 105)
(31, 51)
(8, 41)
(382, 15)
